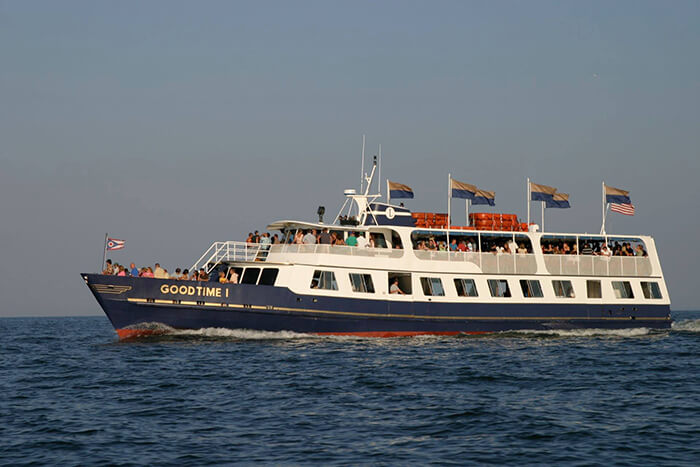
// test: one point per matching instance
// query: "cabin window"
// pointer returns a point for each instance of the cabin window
(622, 289)
(268, 276)
(531, 288)
(378, 239)
(404, 284)
(563, 289)
(651, 290)
(361, 283)
(324, 280)
(250, 276)
(432, 286)
(593, 289)
(499, 288)
(466, 288)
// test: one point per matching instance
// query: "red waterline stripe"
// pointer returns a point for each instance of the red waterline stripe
(129, 333)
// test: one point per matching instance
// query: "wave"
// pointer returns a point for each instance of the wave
(686, 325)
(593, 332)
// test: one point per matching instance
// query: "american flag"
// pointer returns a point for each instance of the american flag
(626, 209)
(114, 244)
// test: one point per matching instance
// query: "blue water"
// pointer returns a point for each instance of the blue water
(71, 394)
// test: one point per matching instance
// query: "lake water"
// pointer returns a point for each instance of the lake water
(74, 395)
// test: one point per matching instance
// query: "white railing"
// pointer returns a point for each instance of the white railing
(230, 251)
(587, 265)
(337, 250)
(488, 262)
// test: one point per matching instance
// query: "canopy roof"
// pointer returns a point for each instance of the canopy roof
(290, 224)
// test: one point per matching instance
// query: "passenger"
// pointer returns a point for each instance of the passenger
(587, 249)
(203, 276)
(325, 238)
(395, 289)
(185, 275)
(148, 272)
(222, 278)
(232, 276)
(605, 251)
(275, 239)
(134, 270)
(442, 246)
(250, 238)
(432, 244)
(122, 271)
(256, 237)
(159, 272)
(566, 249)
(371, 243)
(522, 250)
(513, 247)
(351, 240)
(194, 276)
(574, 249)
(453, 245)
(265, 240)
(361, 241)
(109, 269)
(299, 238)
(462, 246)
(178, 274)
(639, 251)
(339, 241)
(310, 238)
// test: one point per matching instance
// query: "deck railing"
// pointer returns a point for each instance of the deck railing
(587, 265)
(487, 262)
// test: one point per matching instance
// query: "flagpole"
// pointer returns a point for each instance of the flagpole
(388, 192)
(528, 203)
(379, 178)
(104, 254)
(362, 168)
(466, 206)
(449, 210)
(542, 216)
(602, 227)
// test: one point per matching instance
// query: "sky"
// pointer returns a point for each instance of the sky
(175, 124)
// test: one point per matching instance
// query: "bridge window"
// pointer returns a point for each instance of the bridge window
(361, 283)
(432, 286)
(499, 288)
(466, 288)
(531, 288)
(324, 280)
(622, 289)
(593, 289)
(268, 276)
(651, 290)
(563, 289)
(250, 276)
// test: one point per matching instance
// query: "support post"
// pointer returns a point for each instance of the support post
(602, 226)
(104, 254)
(388, 192)
(528, 203)
(543, 216)
(449, 211)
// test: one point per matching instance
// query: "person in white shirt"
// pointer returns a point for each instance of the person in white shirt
(395, 289)
(310, 238)
(361, 241)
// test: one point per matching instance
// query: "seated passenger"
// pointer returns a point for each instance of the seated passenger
(395, 289)
(233, 276)
(222, 278)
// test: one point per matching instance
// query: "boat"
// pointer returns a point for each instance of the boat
(402, 279)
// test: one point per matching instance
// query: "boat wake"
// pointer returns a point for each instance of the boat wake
(686, 325)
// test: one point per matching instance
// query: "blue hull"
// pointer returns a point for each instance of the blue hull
(134, 304)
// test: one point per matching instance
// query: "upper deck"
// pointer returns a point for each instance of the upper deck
(401, 250)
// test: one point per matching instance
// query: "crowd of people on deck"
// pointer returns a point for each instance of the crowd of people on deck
(590, 248)
(156, 272)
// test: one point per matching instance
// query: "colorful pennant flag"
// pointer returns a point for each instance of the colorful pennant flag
(616, 195)
(397, 190)
(484, 197)
(559, 200)
(462, 190)
(115, 244)
(541, 192)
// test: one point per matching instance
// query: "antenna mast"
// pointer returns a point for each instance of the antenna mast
(362, 169)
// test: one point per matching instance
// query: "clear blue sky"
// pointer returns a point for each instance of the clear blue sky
(174, 124)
